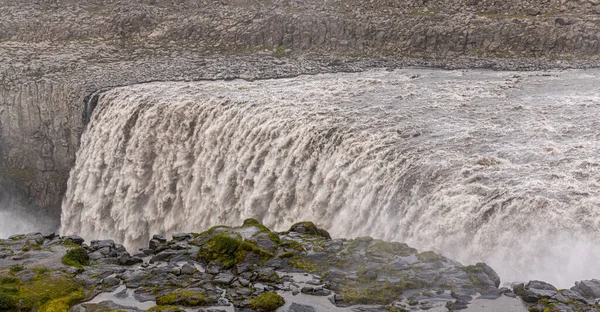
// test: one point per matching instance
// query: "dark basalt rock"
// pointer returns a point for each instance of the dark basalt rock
(219, 268)
(588, 288)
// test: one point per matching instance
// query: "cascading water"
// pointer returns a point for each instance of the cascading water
(495, 166)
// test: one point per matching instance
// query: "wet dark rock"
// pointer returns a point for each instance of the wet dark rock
(295, 307)
(588, 288)
(223, 279)
(575, 295)
(159, 238)
(377, 275)
(188, 269)
(100, 244)
(111, 281)
(165, 255)
(182, 236)
(74, 239)
(315, 291)
(493, 293)
(126, 259)
(310, 229)
(457, 305)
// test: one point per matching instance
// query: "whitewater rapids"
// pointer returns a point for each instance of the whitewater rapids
(501, 167)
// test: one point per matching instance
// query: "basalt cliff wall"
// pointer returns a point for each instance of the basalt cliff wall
(55, 53)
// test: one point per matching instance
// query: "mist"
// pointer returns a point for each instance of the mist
(18, 216)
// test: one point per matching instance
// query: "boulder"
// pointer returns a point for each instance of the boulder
(74, 239)
(588, 288)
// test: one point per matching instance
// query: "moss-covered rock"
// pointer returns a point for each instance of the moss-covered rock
(76, 257)
(310, 229)
(430, 256)
(183, 297)
(229, 249)
(268, 301)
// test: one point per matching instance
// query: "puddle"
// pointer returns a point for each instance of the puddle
(502, 304)
(124, 297)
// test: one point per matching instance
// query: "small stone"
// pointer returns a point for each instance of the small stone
(188, 269)
(182, 236)
(295, 307)
(316, 291)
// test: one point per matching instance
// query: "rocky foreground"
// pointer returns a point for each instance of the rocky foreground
(250, 268)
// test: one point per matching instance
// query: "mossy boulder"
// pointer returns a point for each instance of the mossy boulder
(183, 297)
(76, 257)
(310, 229)
(430, 256)
(268, 301)
(228, 249)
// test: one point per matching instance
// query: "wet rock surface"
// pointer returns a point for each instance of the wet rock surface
(226, 269)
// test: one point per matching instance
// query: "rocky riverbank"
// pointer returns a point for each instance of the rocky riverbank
(251, 268)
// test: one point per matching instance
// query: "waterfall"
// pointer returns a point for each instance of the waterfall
(501, 167)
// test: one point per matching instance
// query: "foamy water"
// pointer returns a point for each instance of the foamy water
(501, 167)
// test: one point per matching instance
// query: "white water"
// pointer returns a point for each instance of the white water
(495, 166)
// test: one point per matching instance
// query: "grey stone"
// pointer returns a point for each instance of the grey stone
(223, 278)
(188, 269)
(295, 307)
(182, 236)
(74, 239)
(126, 259)
(588, 288)
(315, 291)
(159, 238)
(99, 244)
(111, 281)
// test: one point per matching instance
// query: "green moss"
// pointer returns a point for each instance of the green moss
(268, 301)
(70, 244)
(29, 247)
(229, 249)
(304, 264)
(8, 302)
(309, 228)
(210, 231)
(382, 248)
(287, 255)
(9, 280)
(43, 293)
(16, 268)
(473, 269)
(76, 257)
(430, 256)
(372, 293)
(182, 297)
(280, 51)
(18, 237)
(41, 270)
(262, 229)
(291, 244)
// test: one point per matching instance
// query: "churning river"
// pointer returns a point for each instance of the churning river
(501, 167)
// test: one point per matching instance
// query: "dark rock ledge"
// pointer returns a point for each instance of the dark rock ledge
(250, 268)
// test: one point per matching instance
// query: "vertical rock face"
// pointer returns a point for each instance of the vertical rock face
(39, 129)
